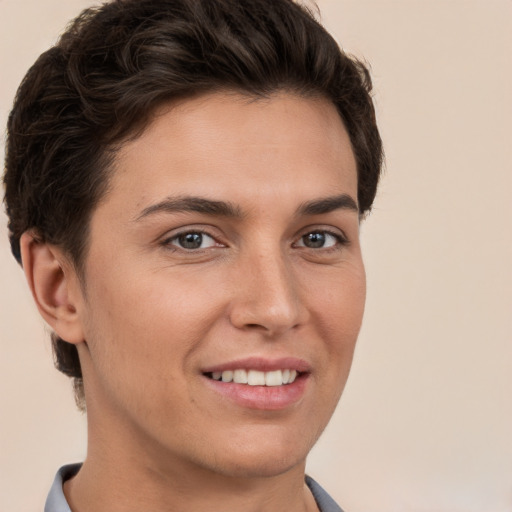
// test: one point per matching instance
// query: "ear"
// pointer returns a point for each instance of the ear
(54, 285)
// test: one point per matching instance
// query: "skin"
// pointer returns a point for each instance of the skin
(151, 315)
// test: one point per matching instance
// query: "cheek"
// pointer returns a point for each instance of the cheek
(338, 310)
(152, 314)
(338, 301)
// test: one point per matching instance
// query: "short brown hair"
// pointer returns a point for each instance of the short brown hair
(117, 63)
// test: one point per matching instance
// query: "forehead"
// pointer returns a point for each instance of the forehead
(226, 144)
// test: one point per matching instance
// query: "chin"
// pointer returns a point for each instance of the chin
(259, 467)
(266, 455)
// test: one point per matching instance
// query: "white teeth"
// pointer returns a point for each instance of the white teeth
(240, 376)
(274, 378)
(257, 378)
(227, 376)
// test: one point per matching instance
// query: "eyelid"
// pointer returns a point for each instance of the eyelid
(335, 232)
(328, 246)
(172, 235)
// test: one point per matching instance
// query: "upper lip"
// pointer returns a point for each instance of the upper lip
(262, 364)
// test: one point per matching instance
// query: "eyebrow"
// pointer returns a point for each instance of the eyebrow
(328, 204)
(230, 210)
(192, 204)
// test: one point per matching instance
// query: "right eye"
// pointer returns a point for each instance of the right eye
(191, 240)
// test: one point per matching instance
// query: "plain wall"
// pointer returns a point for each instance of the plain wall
(426, 419)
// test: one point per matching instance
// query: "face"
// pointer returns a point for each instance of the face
(226, 248)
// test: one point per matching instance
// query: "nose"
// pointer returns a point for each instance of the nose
(267, 296)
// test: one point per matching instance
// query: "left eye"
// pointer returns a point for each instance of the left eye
(192, 240)
(318, 240)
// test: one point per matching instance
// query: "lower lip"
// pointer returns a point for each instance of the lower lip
(264, 398)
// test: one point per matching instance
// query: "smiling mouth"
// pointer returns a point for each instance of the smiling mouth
(256, 377)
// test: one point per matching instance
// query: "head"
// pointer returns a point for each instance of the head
(121, 67)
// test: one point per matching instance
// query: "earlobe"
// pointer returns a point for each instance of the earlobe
(54, 286)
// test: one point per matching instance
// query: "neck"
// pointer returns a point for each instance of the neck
(129, 487)
(124, 473)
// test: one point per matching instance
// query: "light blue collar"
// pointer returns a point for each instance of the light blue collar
(56, 501)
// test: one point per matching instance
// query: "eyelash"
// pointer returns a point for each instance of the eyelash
(169, 245)
(341, 240)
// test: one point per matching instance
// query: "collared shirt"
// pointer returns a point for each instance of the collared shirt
(56, 501)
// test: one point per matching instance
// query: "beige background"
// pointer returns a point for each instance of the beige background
(426, 420)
